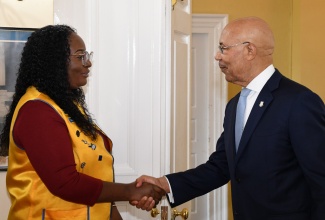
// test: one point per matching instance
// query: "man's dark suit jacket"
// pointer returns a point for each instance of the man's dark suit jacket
(278, 172)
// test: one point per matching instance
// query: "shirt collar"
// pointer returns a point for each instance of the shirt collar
(260, 80)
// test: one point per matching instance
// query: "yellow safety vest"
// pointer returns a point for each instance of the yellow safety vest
(30, 198)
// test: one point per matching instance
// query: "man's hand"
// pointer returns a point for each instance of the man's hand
(161, 182)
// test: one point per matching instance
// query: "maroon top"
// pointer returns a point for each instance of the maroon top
(43, 134)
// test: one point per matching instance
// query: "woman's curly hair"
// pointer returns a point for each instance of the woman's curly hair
(44, 65)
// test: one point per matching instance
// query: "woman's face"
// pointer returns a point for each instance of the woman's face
(77, 71)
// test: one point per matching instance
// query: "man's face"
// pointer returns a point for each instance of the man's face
(232, 58)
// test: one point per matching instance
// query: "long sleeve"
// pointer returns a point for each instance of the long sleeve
(202, 179)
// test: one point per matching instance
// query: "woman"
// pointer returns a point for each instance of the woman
(60, 162)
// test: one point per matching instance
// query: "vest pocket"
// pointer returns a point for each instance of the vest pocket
(75, 214)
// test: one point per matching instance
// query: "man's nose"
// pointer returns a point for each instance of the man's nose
(218, 56)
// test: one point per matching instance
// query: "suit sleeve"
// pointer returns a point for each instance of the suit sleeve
(307, 134)
(206, 177)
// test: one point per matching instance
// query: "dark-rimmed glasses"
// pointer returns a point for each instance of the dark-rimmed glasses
(222, 47)
(85, 57)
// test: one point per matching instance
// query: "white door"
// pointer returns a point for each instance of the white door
(199, 116)
(198, 98)
(180, 89)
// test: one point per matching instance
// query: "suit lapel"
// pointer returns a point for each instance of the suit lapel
(262, 102)
(231, 131)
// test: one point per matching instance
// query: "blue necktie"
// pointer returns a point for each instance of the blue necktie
(239, 126)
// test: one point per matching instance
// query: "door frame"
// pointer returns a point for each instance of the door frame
(212, 25)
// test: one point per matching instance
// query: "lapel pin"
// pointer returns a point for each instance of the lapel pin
(261, 104)
(92, 146)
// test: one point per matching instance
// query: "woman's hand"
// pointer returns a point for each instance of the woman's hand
(150, 194)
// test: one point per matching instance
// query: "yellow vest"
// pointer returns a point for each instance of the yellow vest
(30, 199)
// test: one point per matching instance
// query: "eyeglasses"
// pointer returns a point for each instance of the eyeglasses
(222, 48)
(85, 57)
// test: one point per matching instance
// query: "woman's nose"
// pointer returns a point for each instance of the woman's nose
(88, 64)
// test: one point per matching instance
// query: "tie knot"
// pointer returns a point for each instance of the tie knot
(244, 92)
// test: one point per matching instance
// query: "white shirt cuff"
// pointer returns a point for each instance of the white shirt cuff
(170, 194)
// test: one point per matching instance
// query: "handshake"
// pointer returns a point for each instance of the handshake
(148, 192)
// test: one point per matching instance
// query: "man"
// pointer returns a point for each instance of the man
(277, 171)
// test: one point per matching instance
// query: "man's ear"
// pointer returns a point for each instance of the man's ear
(252, 51)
